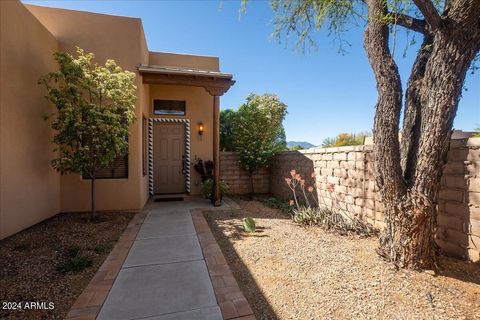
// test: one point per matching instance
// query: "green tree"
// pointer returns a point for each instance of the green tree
(227, 133)
(476, 133)
(296, 147)
(345, 139)
(408, 172)
(259, 131)
(94, 110)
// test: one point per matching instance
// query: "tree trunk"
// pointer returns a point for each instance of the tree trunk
(251, 183)
(409, 184)
(93, 198)
(412, 118)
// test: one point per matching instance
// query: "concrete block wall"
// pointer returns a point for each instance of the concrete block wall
(344, 178)
(239, 179)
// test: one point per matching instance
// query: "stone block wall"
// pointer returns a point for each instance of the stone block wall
(344, 178)
(239, 179)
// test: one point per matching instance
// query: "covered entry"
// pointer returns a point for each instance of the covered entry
(216, 84)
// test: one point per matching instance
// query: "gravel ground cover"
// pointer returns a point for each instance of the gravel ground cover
(291, 272)
(53, 261)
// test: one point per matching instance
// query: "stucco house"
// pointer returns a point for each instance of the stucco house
(177, 113)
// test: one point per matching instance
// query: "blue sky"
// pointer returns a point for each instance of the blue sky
(327, 93)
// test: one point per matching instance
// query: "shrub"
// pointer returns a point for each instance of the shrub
(207, 188)
(311, 212)
(73, 251)
(74, 262)
(101, 248)
(333, 220)
(278, 203)
(205, 169)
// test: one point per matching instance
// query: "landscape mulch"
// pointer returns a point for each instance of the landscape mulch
(36, 280)
(291, 272)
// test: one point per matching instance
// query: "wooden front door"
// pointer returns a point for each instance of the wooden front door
(168, 158)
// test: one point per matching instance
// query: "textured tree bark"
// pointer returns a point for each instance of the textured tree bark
(409, 181)
(412, 114)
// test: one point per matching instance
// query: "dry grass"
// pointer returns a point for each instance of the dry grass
(291, 272)
(32, 262)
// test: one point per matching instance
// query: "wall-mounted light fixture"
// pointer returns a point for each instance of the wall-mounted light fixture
(200, 128)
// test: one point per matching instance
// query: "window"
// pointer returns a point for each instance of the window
(169, 107)
(144, 144)
(117, 170)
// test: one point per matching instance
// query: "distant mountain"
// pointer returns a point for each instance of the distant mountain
(303, 144)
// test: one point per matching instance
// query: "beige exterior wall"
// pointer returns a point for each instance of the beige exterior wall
(184, 60)
(199, 108)
(29, 188)
(119, 39)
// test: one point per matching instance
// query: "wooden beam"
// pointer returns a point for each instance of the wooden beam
(214, 86)
(217, 201)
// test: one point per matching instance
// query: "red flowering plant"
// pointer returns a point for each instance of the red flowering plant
(297, 184)
(331, 217)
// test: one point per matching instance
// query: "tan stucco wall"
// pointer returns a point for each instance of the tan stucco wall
(199, 108)
(29, 187)
(144, 97)
(108, 37)
(184, 60)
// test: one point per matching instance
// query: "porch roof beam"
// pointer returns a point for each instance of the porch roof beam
(215, 86)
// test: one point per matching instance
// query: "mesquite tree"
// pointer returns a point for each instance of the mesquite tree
(94, 110)
(408, 171)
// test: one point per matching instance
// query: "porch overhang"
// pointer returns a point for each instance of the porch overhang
(215, 83)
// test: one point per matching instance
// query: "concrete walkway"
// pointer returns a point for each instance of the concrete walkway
(164, 275)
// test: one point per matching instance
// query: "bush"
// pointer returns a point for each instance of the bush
(101, 248)
(204, 168)
(278, 203)
(313, 212)
(332, 220)
(207, 188)
(74, 262)
(73, 251)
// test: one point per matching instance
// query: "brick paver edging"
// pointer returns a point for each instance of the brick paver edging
(230, 298)
(88, 304)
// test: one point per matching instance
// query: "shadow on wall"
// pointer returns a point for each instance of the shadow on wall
(458, 218)
(239, 179)
(280, 169)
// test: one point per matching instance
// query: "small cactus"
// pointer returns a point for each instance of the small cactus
(248, 225)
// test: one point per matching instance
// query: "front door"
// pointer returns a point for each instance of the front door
(168, 158)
